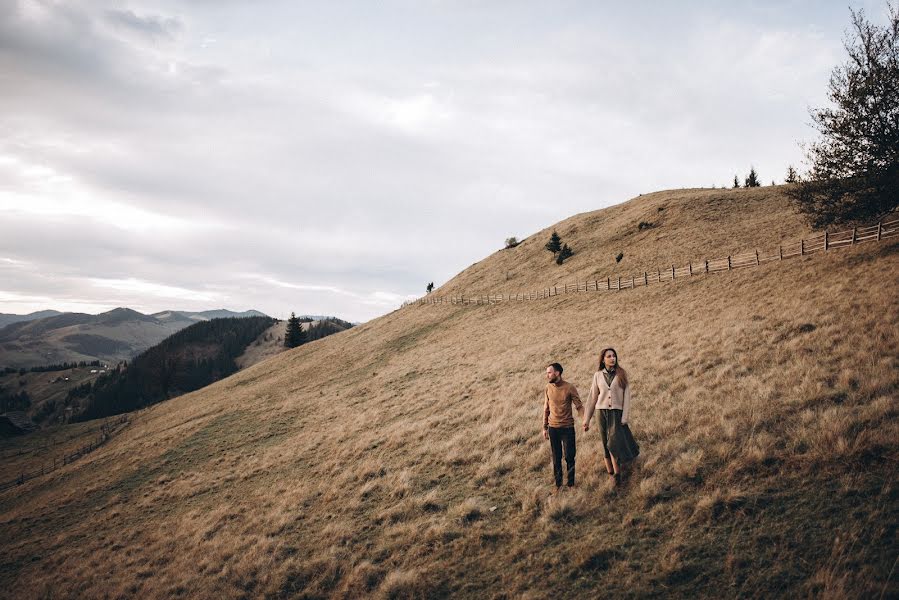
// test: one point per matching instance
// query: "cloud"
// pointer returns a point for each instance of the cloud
(153, 27)
(345, 155)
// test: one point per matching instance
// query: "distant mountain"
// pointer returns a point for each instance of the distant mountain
(174, 315)
(6, 319)
(113, 336)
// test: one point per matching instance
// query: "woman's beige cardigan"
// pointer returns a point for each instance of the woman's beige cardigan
(602, 395)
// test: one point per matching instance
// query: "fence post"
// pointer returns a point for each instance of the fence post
(645, 278)
(802, 247)
(879, 229)
(619, 284)
(757, 258)
(707, 266)
(632, 281)
(780, 251)
(825, 241)
(728, 263)
(854, 232)
(608, 283)
(672, 272)
(690, 264)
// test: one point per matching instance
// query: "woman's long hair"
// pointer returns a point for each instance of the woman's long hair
(619, 370)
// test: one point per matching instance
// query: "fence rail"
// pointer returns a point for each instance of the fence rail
(821, 242)
(106, 432)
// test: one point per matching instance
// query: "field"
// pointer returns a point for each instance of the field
(404, 458)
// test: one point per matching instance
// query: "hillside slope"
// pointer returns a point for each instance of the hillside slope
(403, 457)
(679, 226)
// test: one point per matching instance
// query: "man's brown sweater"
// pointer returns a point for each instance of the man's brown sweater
(557, 405)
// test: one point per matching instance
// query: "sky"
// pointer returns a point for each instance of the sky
(332, 158)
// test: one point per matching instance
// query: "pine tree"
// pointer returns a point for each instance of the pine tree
(792, 175)
(564, 253)
(554, 244)
(736, 182)
(294, 335)
(752, 180)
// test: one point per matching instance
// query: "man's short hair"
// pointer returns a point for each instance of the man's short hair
(556, 367)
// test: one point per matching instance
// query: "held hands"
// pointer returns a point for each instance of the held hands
(586, 426)
(545, 434)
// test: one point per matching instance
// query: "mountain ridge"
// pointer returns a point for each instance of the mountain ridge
(111, 336)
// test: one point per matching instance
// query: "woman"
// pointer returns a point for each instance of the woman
(611, 394)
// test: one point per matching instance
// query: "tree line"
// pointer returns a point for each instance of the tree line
(185, 361)
(297, 336)
(64, 366)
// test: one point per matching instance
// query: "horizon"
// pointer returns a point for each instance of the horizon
(174, 310)
(339, 158)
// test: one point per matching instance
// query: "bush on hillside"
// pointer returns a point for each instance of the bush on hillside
(511, 242)
(554, 244)
(792, 175)
(752, 180)
(564, 253)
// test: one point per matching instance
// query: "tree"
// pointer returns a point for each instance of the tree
(752, 180)
(736, 182)
(294, 336)
(511, 242)
(430, 287)
(564, 253)
(554, 244)
(854, 173)
(792, 175)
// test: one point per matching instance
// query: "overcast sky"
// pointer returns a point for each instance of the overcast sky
(334, 157)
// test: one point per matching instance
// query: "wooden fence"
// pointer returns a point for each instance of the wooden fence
(821, 242)
(106, 431)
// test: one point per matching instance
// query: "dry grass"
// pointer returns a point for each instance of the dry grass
(403, 458)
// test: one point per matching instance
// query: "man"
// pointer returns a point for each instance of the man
(558, 421)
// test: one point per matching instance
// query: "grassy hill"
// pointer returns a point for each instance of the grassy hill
(403, 457)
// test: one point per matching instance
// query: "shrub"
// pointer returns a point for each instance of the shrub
(554, 244)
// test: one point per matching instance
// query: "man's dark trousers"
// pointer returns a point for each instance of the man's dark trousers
(562, 438)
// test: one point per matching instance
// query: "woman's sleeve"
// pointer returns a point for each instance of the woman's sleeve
(594, 392)
(627, 405)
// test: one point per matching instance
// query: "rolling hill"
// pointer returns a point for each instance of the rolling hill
(6, 318)
(403, 458)
(113, 336)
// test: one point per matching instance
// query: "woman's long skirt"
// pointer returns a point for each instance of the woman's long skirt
(617, 439)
